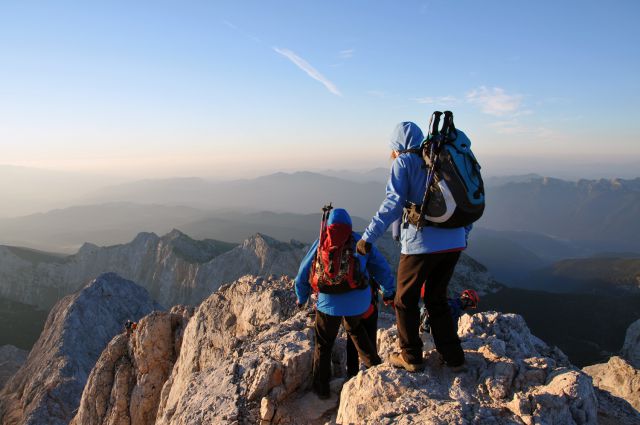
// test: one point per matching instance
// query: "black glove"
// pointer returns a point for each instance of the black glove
(363, 247)
(300, 305)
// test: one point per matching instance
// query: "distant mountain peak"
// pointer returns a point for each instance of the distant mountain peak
(260, 239)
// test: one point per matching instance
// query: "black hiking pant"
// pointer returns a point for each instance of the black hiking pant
(371, 327)
(327, 328)
(435, 270)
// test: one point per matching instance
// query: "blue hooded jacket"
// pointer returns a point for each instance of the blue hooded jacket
(357, 301)
(407, 182)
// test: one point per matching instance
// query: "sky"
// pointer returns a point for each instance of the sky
(239, 88)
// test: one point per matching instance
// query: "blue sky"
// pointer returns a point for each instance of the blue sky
(247, 87)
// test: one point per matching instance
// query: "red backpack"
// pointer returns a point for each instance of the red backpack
(335, 269)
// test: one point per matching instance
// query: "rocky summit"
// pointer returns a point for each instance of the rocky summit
(46, 389)
(244, 357)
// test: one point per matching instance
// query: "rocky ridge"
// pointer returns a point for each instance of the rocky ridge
(174, 268)
(11, 358)
(47, 388)
(134, 367)
(246, 358)
(617, 378)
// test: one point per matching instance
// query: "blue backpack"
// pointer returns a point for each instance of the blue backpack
(455, 190)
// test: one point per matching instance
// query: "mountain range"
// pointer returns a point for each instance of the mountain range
(601, 214)
(174, 268)
(587, 215)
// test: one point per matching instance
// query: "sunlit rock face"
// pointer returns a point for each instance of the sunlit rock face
(48, 386)
(245, 355)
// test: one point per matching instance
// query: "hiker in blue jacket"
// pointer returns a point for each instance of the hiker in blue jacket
(429, 254)
(335, 305)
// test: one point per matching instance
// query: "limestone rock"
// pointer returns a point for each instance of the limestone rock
(614, 410)
(245, 358)
(241, 346)
(125, 385)
(618, 378)
(631, 347)
(11, 358)
(174, 268)
(512, 377)
(47, 388)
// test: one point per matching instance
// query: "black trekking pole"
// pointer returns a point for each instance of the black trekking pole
(434, 140)
(448, 128)
(323, 224)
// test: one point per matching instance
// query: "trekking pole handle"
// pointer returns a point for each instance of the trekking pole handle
(434, 122)
(447, 126)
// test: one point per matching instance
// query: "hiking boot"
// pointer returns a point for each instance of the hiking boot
(396, 360)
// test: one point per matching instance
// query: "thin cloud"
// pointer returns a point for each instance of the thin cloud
(310, 70)
(346, 54)
(241, 31)
(495, 101)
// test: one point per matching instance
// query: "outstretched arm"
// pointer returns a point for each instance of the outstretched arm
(391, 208)
(303, 287)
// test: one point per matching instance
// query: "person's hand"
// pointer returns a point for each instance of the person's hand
(363, 247)
(300, 305)
(388, 301)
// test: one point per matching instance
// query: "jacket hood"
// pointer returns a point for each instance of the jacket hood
(339, 216)
(407, 135)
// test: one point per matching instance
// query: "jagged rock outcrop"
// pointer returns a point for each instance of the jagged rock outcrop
(11, 358)
(616, 378)
(238, 347)
(631, 347)
(246, 358)
(47, 388)
(125, 385)
(174, 268)
(512, 377)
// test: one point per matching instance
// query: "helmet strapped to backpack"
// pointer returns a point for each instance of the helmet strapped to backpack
(335, 268)
(454, 195)
(471, 297)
